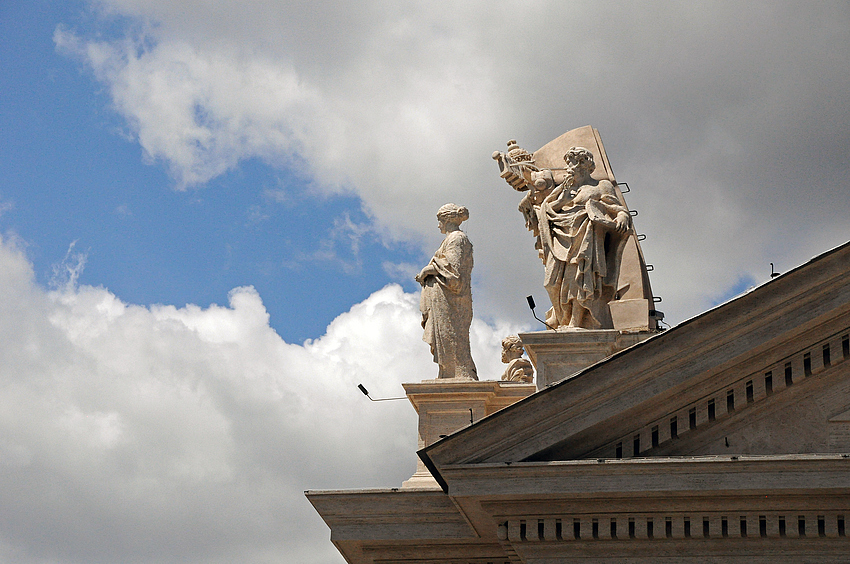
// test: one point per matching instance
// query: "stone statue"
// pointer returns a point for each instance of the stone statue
(446, 301)
(581, 227)
(518, 369)
(517, 168)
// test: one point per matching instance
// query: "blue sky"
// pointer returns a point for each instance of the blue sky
(71, 174)
(211, 212)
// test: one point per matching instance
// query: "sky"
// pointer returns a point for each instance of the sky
(211, 213)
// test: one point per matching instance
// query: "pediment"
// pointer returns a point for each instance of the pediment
(766, 372)
(768, 412)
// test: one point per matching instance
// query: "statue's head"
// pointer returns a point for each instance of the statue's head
(452, 213)
(580, 159)
(511, 348)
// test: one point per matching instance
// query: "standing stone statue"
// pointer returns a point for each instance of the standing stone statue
(595, 273)
(446, 301)
(518, 369)
(583, 229)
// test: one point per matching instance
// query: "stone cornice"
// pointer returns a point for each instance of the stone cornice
(387, 514)
(709, 476)
(577, 509)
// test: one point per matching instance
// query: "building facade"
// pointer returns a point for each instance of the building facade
(724, 439)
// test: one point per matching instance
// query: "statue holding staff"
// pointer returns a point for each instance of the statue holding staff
(581, 227)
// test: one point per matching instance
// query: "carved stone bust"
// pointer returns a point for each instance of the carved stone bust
(518, 369)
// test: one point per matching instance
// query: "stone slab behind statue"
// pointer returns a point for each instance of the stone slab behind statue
(632, 309)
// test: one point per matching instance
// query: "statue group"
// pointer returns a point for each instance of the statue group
(594, 271)
(581, 228)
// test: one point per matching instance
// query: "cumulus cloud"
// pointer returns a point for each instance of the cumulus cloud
(727, 120)
(166, 434)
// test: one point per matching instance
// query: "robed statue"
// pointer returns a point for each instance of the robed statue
(583, 230)
(446, 301)
(581, 227)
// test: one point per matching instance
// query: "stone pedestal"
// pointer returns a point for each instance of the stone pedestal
(557, 354)
(448, 405)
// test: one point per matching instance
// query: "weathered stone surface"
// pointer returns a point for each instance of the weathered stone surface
(630, 316)
(446, 301)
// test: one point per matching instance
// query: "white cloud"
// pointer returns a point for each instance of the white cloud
(6, 206)
(165, 434)
(158, 433)
(728, 123)
(401, 272)
(67, 271)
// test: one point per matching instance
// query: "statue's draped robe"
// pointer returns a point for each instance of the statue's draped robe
(582, 252)
(446, 306)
